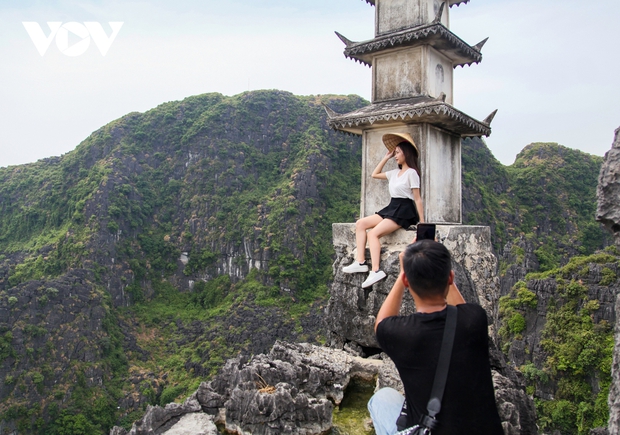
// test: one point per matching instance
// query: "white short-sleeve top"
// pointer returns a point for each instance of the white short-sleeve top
(400, 186)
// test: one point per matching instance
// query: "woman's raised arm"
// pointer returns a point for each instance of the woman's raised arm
(377, 172)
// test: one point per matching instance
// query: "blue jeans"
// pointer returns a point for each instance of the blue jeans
(384, 407)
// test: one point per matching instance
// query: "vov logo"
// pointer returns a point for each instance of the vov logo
(87, 31)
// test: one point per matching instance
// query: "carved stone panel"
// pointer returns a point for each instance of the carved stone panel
(411, 72)
(398, 74)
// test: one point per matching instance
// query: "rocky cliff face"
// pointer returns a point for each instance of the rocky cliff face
(614, 391)
(59, 336)
(545, 199)
(608, 212)
(188, 191)
(608, 190)
(556, 326)
(155, 205)
(556, 329)
(350, 315)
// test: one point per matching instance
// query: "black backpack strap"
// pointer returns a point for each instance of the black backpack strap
(441, 374)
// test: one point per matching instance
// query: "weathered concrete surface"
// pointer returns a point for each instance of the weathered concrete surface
(394, 15)
(608, 190)
(410, 73)
(350, 314)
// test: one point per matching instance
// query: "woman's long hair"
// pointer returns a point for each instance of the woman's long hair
(411, 156)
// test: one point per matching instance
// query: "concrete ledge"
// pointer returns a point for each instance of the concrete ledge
(344, 237)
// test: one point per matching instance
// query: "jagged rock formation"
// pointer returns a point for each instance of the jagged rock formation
(350, 315)
(173, 419)
(520, 259)
(291, 390)
(608, 212)
(614, 391)
(556, 328)
(608, 191)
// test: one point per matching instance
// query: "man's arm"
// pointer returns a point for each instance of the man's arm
(391, 305)
(454, 296)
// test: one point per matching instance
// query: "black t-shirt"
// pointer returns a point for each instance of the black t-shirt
(413, 342)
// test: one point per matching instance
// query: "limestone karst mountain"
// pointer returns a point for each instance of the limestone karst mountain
(214, 209)
(133, 267)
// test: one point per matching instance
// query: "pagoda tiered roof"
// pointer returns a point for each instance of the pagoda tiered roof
(452, 2)
(435, 34)
(421, 109)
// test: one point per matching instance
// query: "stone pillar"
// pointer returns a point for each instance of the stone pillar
(351, 311)
(608, 190)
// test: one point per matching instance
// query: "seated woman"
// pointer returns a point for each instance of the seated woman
(405, 207)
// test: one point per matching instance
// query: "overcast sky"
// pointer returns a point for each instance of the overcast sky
(550, 67)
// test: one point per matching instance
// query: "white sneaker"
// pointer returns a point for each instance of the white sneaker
(373, 277)
(355, 267)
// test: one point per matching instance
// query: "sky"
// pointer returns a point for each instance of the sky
(549, 67)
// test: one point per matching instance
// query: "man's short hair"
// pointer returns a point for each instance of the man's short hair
(427, 265)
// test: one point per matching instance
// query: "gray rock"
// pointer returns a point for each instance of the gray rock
(608, 212)
(290, 390)
(197, 423)
(515, 408)
(388, 376)
(351, 311)
(158, 420)
(608, 190)
(614, 390)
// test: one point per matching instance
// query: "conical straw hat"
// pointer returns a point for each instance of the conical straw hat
(391, 140)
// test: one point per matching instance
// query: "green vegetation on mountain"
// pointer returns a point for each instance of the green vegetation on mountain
(547, 196)
(567, 362)
(245, 187)
(200, 230)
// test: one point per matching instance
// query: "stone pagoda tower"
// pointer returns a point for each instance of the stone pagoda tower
(412, 57)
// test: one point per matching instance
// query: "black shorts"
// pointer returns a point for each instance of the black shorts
(402, 211)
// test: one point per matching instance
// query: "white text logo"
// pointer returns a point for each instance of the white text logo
(61, 32)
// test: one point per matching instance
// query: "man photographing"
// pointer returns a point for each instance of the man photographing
(413, 342)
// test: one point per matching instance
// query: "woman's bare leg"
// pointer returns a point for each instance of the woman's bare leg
(361, 226)
(383, 228)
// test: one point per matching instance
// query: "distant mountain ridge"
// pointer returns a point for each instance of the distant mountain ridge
(201, 229)
(547, 196)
